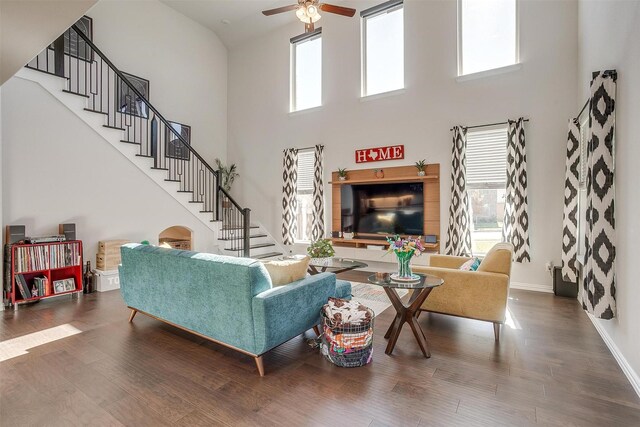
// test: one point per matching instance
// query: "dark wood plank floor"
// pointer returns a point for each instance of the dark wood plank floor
(551, 369)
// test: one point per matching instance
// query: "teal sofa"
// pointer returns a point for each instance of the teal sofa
(224, 299)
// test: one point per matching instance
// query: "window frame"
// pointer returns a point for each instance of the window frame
(486, 185)
(294, 42)
(372, 12)
(490, 71)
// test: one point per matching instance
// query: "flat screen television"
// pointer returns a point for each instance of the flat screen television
(383, 209)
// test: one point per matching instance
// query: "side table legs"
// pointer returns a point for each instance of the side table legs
(407, 314)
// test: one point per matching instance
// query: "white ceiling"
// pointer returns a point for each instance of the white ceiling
(244, 16)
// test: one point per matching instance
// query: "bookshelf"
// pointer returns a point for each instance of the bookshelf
(44, 270)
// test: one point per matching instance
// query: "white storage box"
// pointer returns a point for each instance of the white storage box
(107, 280)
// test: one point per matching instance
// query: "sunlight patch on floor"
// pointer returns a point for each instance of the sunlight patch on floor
(18, 346)
(511, 321)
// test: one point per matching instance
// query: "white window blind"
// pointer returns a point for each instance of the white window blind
(305, 171)
(487, 158)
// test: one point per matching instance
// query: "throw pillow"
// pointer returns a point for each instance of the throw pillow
(470, 265)
(283, 272)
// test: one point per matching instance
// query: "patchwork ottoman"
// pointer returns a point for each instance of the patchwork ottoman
(347, 333)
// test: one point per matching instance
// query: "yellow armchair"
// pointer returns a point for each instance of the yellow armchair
(480, 294)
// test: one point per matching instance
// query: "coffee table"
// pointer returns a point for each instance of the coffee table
(333, 265)
(407, 313)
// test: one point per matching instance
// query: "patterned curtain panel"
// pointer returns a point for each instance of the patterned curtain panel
(515, 228)
(570, 217)
(317, 228)
(598, 296)
(459, 230)
(289, 190)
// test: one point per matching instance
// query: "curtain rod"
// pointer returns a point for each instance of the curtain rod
(308, 148)
(487, 125)
(582, 110)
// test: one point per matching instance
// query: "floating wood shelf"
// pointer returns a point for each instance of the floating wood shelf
(390, 180)
(364, 242)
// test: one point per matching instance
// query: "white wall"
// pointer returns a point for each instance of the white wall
(27, 27)
(608, 36)
(544, 90)
(185, 63)
(61, 171)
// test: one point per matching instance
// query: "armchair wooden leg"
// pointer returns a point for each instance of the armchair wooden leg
(496, 331)
(259, 365)
(316, 329)
(133, 314)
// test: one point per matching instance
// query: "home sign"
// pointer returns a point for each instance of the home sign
(392, 152)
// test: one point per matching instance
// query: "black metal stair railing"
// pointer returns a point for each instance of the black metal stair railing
(89, 73)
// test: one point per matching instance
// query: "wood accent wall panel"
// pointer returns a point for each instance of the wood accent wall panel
(431, 194)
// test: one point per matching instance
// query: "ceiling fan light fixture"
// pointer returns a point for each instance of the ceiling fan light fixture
(308, 14)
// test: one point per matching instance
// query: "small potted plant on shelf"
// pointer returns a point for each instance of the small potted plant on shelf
(321, 251)
(421, 165)
(342, 174)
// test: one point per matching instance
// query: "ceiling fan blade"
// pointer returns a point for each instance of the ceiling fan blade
(280, 10)
(338, 10)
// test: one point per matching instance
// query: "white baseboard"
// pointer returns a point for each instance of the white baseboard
(631, 375)
(536, 287)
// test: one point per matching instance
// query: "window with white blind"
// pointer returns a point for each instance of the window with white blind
(306, 71)
(383, 48)
(486, 184)
(304, 194)
(487, 35)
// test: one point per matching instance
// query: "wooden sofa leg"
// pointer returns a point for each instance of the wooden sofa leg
(133, 314)
(259, 365)
(496, 331)
(316, 329)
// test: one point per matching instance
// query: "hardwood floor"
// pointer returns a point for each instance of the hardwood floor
(552, 369)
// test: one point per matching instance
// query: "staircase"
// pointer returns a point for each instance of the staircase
(76, 72)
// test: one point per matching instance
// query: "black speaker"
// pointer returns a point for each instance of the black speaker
(561, 287)
(14, 233)
(69, 231)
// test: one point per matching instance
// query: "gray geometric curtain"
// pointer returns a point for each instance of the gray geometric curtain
(570, 216)
(599, 288)
(459, 229)
(317, 227)
(289, 190)
(515, 229)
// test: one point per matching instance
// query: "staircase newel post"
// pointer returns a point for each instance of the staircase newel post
(246, 229)
(58, 55)
(217, 200)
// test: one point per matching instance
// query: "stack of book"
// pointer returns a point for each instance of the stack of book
(39, 286)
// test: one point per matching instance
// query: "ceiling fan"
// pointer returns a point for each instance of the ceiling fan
(308, 11)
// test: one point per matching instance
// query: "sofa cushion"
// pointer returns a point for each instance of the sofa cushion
(471, 265)
(283, 272)
(498, 259)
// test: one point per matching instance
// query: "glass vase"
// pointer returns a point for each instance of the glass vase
(404, 265)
